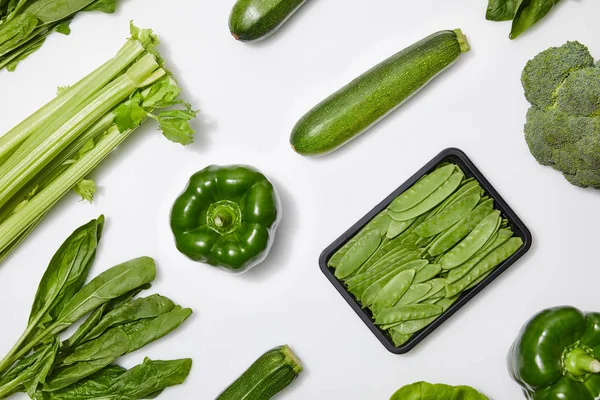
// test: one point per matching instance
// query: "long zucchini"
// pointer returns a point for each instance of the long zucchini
(363, 102)
(269, 375)
(253, 20)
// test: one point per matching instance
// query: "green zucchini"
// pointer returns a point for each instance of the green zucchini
(360, 104)
(269, 375)
(253, 20)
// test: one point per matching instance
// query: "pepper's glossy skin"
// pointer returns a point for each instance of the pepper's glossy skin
(226, 217)
(555, 356)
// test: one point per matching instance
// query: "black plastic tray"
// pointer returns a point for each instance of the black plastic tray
(459, 158)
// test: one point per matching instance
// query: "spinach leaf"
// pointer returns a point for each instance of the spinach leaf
(67, 272)
(502, 10)
(106, 6)
(24, 52)
(113, 382)
(96, 354)
(97, 315)
(30, 372)
(528, 13)
(13, 32)
(64, 276)
(109, 285)
(49, 11)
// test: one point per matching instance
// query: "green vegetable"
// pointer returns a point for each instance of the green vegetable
(115, 382)
(268, 375)
(563, 124)
(453, 240)
(523, 13)
(227, 217)
(253, 20)
(24, 24)
(428, 391)
(555, 355)
(370, 97)
(53, 150)
(117, 324)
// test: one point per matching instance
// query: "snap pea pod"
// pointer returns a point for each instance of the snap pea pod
(391, 293)
(478, 281)
(414, 326)
(428, 272)
(466, 185)
(489, 262)
(474, 241)
(358, 254)
(438, 285)
(378, 269)
(393, 257)
(422, 189)
(414, 294)
(411, 241)
(424, 242)
(456, 274)
(462, 228)
(398, 338)
(435, 198)
(368, 297)
(377, 255)
(448, 217)
(397, 227)
(407, 313)
(378, 224)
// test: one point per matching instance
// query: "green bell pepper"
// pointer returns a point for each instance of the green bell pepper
(226, 217)
(556, 355)
(438, 391)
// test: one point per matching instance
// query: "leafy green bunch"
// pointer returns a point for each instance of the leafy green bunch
(25, 24)
(563, 124)
(53, 150)
(523, 13)
(118, 323)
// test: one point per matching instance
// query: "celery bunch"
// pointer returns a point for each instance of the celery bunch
(54, 149)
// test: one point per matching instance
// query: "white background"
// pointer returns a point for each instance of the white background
(250, 96)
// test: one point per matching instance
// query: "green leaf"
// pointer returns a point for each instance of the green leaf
(148, 39)
(64, 27)
(528, 13)
(113, 343)
(131, 114)
(139, 382)
(502, 10)
(162, 94)
(13, 32)
(106, 6)
(90, 323)
(23, 53)
(49, 11)
(86, 188)
(175, 125)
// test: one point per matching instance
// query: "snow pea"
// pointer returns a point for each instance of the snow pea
(462, 228)
(474, 241)
(428, 391)
(435, 198)
(422, 189)
(368, 297)
(438, 285)
(466, 187)
(489, 262)
(378, 224)
(415, 293)
(457, 273)
(377, 255)
(448, 217)
(391, 293)
(398, 338)
(428, 272)
(397, 227)
(358, 254)
(379, 268)
(407, 313)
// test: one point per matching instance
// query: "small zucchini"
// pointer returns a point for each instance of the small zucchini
(269, 375)
(253, 20)
(363, 102)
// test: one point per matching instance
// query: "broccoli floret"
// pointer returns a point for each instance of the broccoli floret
(563, 123)
(580, 93)
(544, 74)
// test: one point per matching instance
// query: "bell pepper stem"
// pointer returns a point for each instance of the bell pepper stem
(579, 363)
